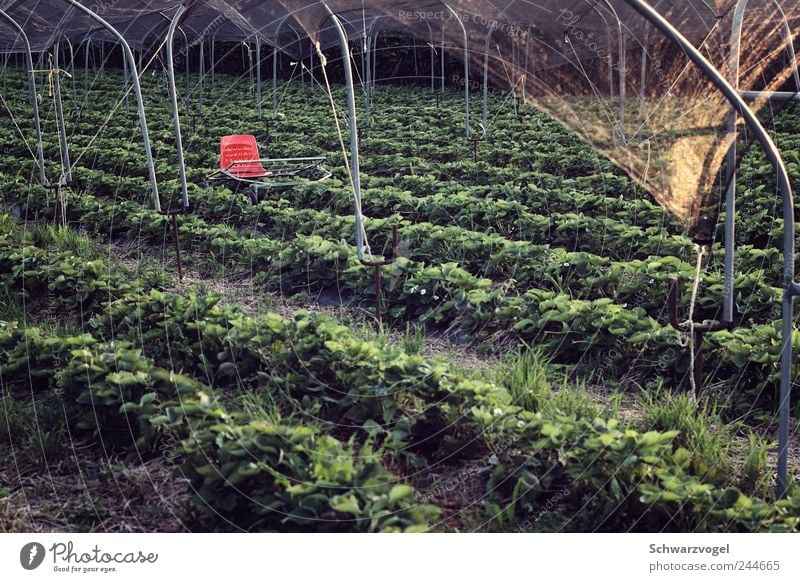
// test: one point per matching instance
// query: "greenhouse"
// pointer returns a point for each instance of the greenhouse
(399, 266)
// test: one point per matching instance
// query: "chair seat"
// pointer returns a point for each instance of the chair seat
(239, 156)
(249, 170)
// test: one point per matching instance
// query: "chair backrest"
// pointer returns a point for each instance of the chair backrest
(240, 148)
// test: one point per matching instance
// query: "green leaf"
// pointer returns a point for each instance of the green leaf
(345, 504)
(399, 492)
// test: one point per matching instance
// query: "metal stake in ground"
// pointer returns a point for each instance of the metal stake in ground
(475, 141)
(699, 330)
(194, 117)
(377, 265)
(60, 208)
(172, 215)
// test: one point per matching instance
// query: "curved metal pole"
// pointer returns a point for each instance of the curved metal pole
(367, 80)
(302, 68)
(595, 8)
(364, 72)
(351, 103)
(414, 57)
(373, 76)
(274, 79)
(125, 76)
(249, 62)
(486, 78)
(139, 98)
(373, 73)
(532, 75)
(213, 60)
(173, 93)
(442, 59)
(32, 82)
(6, 57)
(202, 76)
(433, 57)
(730, 194)
(86, 69)
(787, 31)
(300, 60)
(622, 89)
(42, 63)
(187, 78)
(514, 71)
(275, 64)
(313, 79)
(72, 70)
(643, 79)
(622, 64)
(790, 288)
(372, 57)
(466, 65)
(259, 95)
(62, 128)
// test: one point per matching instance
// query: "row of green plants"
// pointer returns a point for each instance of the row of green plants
(642, 282)
(233, 111)
(595, 332)
(246, 472)
(582, 274)
(475, 293)
(257, 473)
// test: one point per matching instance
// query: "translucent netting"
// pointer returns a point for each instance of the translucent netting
(596, 65)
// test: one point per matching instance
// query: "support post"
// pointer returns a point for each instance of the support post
(126, 76)
(259, 94)
(32, 83)
(86, 70)
(173, 93)
(373, 76)
(202, 76)
(62, 128)
(187, 76)
(730, 193)
(312, 78)
(351, 103)
(249, 66)
(6, 57)
(784, 186)
(466, 67)
(274, 80)
(622, 88)
(486, 78)
(442, 63)
(72, 72)
(213, 61)
(367, 77)
(128, 53)
(433, 58)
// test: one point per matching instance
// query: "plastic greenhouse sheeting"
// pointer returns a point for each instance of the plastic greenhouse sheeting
(595, 65)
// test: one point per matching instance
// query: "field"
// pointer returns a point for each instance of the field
(525, 377)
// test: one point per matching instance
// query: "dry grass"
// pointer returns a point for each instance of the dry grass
(87, 492)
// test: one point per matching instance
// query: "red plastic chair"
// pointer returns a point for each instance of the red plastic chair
(240, 166)
(242, 152)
